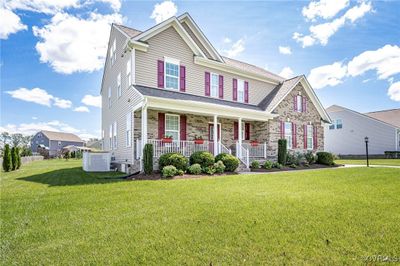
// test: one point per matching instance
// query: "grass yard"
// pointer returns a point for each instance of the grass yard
(392, 162)
(53, 213)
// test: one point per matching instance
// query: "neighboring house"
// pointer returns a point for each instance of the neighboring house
(346, 134)
(54, 141)
(170, 81)
(94, 144)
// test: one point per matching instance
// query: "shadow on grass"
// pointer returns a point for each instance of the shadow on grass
(74, 176)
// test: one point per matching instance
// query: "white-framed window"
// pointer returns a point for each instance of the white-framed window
(299, 103)
(115, 135)
(214, 86)
(288, 134)
(128, 134)
(128, 73)
(172, 126)
(240, 90)
(114, 52)
(109, 97)
(59, 143)
(171, 74)
(339, 124)
(310, 133)
(332, 126)
(119, 88)
(110, 133)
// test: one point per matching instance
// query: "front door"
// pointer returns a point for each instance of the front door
(211, 132)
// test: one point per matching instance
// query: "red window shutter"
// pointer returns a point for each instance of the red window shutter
(221, 86)
(160, 74)
(247, 131)
(295, 103)
(315, 138)
(234, 89)
(304, 101)
(183, 127)
(161, 125)
(246, 92)
(182, 74)
(294, 135)
(207, 83)
(235, 130)
(305, 136)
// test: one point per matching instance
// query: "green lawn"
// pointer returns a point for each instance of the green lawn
(53, 213)
(395, 162)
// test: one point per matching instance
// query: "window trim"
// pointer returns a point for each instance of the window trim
(114, 52)
(115, 132)
(240, 81)
(110, 132)
(211, 85)
(211, 124)
(128, 130)
(299, 105)
(310, 136)
(337, 124)
(179, 125)
(119, 87)
(168, 60)
(129, 74)
(289, 137)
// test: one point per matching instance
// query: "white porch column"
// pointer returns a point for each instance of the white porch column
(240, 137)
(144, 127)
(215, 135)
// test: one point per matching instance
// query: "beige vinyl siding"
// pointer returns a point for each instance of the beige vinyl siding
(168, 43)
(120, 105)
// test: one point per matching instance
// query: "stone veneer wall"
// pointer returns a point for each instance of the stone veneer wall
(286, 113)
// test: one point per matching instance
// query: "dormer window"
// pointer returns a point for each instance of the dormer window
(171, 74)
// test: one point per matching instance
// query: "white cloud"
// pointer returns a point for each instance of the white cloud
(286, 72)
(227, 40)
(82, 109)
(72, 44)
(385, 60)
(64, 104)
(327, 75)
(285, 50)
(322, 32)
(91, 100)
(115, 4)
(237, 48)
(39, 96)
(394, 91)
(164, 11)
(325, 9)
(34, 118)
(35, 95)
(9, 23)
(42, 6)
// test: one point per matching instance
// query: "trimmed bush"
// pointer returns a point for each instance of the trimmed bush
(204, 158)
(169, 171)
(176, 159)
(231, 162)
(7, 163)
(14, 159)
(210, 170)
(277, 165)
(255, 165)
(180, 172)
(219, 167)
(18, 158)
(195, 169)
(282, 151)
(268, 165)
(293, 165)
(325, 158)
(148, 159)
(310, 157)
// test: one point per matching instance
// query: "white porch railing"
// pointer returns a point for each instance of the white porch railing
(223, 149)
(243, 154)
(256, 151)
(185, 147)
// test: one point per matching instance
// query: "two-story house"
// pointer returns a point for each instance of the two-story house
(170, 81)
(54, 141)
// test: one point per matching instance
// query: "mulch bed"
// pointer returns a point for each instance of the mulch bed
(157, 176)
(286, 168)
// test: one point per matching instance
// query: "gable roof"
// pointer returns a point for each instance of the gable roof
(130, 32)
(61, 136)
(391, 116)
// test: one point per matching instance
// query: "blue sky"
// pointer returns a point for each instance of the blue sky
(52, 54)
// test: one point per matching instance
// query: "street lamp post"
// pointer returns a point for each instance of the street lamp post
(366, 149)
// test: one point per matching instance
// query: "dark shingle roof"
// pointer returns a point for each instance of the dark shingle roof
(168, 94)
(61, 136)
(389, 116)
(131, 32)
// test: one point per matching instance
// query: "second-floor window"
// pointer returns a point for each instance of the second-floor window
(119, 88)
(171, 74)
(288, 134)
(240, 90)
(109, 97)
(310, 133)
(214, 86)
(299, 103)
(128, 73)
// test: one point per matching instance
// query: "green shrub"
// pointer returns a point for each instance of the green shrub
(231, 162)
(282, 151)
(176, 159)
(195, 169)
(325, 158)
(7, 163)
(310, 157)
(219, 167)
(210, 170)
(293, 165)
(277, 165)
(148, 159)
(255, 165)
(180, 172)
(268, 165)
(14, 158)
(169, 171)
(306, 164)
(204, 158)
(289, 158)
(18, 158)
(67, 155)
